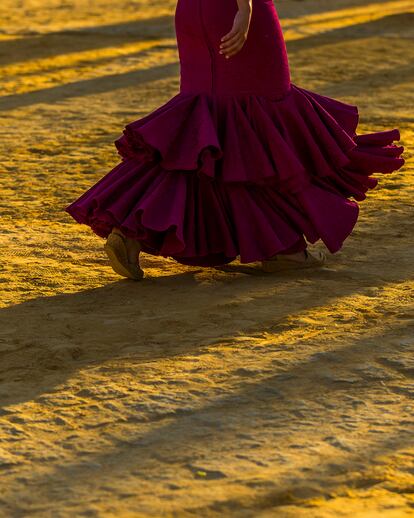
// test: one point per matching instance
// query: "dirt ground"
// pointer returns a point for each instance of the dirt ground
(197, 392)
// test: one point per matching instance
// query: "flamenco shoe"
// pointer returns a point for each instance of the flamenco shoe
(117, 251)
(286, 262)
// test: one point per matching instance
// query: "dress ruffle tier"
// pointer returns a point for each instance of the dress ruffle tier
(205, 178)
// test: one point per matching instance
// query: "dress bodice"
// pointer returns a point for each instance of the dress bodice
(260, 68)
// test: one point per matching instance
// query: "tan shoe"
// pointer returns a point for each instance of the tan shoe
(117, 252)
(286, 262)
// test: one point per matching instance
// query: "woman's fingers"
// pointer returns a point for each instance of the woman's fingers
(236, 42)
(235, 35)
(230, 41)
(233, 41)
(233, 44)
(230, 35)
(234, 51)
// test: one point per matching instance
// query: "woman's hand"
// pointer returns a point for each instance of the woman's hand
(234, 41)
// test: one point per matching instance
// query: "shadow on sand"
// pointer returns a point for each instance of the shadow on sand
(59, 333)
(227, 420)
(86, 87)
(89, 38)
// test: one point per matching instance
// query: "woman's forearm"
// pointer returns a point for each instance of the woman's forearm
(244, 4)
(233, 42)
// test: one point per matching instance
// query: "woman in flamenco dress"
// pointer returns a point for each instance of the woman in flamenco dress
(241, 162)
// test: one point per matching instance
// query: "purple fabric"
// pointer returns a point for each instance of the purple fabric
(241, 162)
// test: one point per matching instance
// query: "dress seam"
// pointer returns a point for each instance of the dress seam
(209, 47)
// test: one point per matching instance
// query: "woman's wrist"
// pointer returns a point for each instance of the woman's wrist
(245, 5)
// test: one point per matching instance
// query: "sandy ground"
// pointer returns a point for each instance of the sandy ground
(198, 392)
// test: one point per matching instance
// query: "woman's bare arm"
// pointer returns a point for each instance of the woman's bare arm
(233, 42)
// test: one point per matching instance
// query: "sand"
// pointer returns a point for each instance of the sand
(198, 392)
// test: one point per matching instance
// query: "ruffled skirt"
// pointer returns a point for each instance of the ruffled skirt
(207, 178)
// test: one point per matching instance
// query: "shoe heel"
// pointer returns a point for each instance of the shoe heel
(117, 255)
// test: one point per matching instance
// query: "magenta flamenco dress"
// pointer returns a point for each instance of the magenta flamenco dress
(241, 162)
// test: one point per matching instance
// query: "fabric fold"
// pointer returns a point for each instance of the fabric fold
(204, 178)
